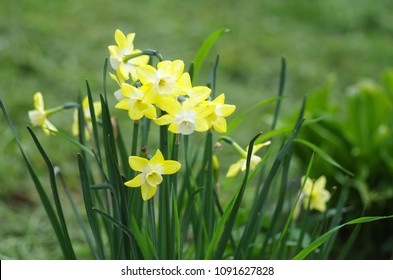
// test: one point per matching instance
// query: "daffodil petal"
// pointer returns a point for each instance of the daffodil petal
(158, 158)
(136, 182)
(220, 125)
(164, 120)
(148, 191)
(38, 101)
(146, 74)
(137, 163)
(170, 167)
(233, 169)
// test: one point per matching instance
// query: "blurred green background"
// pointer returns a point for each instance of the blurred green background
(53, 46)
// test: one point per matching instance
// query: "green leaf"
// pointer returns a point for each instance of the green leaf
(254, 221)
(204, 50)
(223, 232)
(324, 237)
(324, 155)
(52, 178)
(88, 202)
(37, 183)
(143, 241)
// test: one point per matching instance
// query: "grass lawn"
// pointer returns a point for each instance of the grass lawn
(53, 46)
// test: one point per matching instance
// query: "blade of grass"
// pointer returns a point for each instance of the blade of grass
(93, 121)
(143, 241)
(76, 211)
(46, 203)
(223, 232)
(88, 202)
(280, 93)
(56, 197)
(254, 222)
(324, 155)
(204, 50)
(324, 237)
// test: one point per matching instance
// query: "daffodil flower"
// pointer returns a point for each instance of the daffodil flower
(137, 102)
(186, 117)
(151, 173)
(163, 79)
(87, 114)
(221, 110)
(241, 163)
(118, 55)
(38, 116)
(314, 193)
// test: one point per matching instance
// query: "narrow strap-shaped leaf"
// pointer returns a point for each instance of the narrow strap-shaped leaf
(76, 211)
(204, 50)
(37, 183)
(93, 120)
(254, 222)
(143, 241)
(88, 202)
(211, 82)
(231, 211)
(280, 93)
(56, 197)
(323, 155)
(324, 237)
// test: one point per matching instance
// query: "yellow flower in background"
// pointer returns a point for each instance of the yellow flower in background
(38, 116)
(186, 117)
(241, 163)
(86, 112)
(163, 79)
(137, 102)
(314, 194)
(151, 173)
(119, 53)
(221, 110)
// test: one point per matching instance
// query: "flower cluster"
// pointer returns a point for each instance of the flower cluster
(145, 89)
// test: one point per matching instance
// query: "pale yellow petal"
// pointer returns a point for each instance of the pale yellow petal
(220, 125)
(170, 167)
(146, 74)
(136, 182)
(137, 163)
(148, 191)
(234, 169)
(38, 101)
(151, 112)
(225, 110)
(164, 120)
(158, 158)
(320, 184)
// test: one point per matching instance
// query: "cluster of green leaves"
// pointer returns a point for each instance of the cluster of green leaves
(191, 220)
(356, 132)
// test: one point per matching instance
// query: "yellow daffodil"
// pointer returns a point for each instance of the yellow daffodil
(118, 55)
(38, 116)
(314, 194)
(186, 117)
(137, 102)
(163, 79)
(241, 163)
(221, 110)
(88, 122)
(151, 173)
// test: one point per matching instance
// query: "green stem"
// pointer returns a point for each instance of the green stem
(145, 52)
